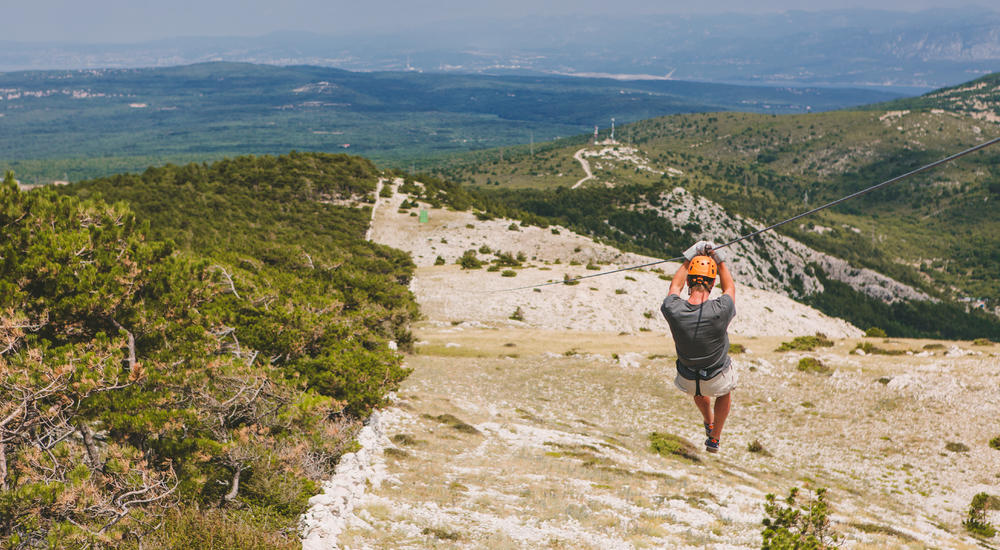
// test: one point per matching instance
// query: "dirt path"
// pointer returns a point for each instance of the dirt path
(378, 197)
(586, 168)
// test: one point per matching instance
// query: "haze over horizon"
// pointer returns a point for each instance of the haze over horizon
(123, 21)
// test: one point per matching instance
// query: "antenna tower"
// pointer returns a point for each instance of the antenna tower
(595, 134)
(612, 129)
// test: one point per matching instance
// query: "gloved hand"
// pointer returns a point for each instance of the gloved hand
(698, 249)
(719, 255)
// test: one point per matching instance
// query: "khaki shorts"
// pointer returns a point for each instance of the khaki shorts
(723, 383)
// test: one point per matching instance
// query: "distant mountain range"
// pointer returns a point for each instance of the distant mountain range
(910, 52)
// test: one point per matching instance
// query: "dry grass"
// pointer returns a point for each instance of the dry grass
(563, 459)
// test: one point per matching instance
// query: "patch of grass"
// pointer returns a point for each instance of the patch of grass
(508, 273)
(807, 404)
(995, 443)
(453, 422)
(757, 447)
(568, 280)
(982, 342)
(526, 415)
(439, 532)
(191, 527)
(736, 349)
(811, 364)
(933, 346)
(404, 439)
(876, 529)
(884, 380)
(518, 315)
(806, 343)
(872, 349)
(393, 452)
(669, 445)
(957, 447)
(620, 291)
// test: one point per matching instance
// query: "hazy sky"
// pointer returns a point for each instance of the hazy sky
(138, 20)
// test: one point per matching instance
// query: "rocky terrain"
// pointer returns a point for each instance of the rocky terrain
(534, 432)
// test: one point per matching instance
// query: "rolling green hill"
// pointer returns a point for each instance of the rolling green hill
(79, 124)
(936, 231)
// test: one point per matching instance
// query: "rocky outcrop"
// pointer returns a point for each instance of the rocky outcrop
(771, 261)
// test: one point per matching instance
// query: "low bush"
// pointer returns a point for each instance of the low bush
(468, 260)
(875, 332)
(811, 364)
(977, 523)
(737, 349)
(806, 343)
(995, 443)
(792, 526)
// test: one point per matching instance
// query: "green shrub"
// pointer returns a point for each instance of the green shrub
(790, 526)
(569, 281)
(805, 343)
(485, 250)
(977, 522)
(957, 447)
(518, 315)
(875, 332)
(811, 364)
(995, 443)
(736, 349)
(468, 260)
(669, 445)
(493, 268)
(982, 342)
(508, 273)
(439, 261)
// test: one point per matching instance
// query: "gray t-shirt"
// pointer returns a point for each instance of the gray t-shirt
(700, 333)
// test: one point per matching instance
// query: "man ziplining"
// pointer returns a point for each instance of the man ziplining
(699, 327)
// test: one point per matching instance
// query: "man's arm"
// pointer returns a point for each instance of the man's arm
(679, 280)
(726, 281)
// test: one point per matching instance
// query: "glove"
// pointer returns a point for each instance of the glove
(697, 249)
(719, 255)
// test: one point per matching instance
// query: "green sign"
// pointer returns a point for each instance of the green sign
(423, 216)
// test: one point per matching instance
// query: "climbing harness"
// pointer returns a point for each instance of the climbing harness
(896, 179)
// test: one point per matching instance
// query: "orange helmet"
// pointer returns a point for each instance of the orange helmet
(703, 266)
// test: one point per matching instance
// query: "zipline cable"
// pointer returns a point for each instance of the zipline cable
(896, 179)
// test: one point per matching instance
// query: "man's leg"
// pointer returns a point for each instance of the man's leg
(722, 404)
(704, 404)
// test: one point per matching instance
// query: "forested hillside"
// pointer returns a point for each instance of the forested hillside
(936, 231)
(185, 364)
